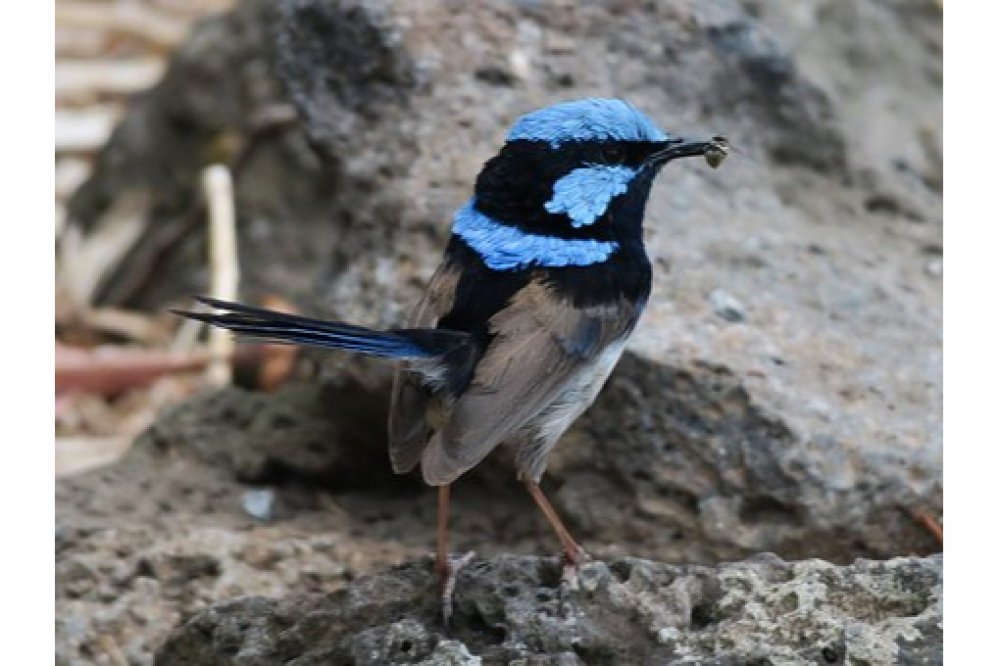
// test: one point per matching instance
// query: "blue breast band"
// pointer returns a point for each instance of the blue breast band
(503, 247)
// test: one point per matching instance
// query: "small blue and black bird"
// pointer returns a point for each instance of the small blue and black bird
(543, 280)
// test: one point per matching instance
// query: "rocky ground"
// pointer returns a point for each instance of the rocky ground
(783, 393)
(513, 609)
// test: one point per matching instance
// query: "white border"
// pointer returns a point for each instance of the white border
(27, 284)
(972, 314)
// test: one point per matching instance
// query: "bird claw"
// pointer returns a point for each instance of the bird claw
(570, 578)
(448, 579)
(572, 561)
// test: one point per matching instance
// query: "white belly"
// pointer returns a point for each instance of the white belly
(577, 394)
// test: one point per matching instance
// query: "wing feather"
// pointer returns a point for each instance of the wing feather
(539, 342)
(410, 403)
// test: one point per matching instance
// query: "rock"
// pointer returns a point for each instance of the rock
(259, 503)
(767, 84)
(328, 433)
(726, 306)
(676, 463)
(682, 462)
(512, 610)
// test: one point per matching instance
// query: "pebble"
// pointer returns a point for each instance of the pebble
(259, 503)
(726, 306)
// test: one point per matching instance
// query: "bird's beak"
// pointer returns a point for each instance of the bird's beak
(714, 150)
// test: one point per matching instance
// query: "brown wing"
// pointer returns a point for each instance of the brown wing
(540, 341)
(409, 402)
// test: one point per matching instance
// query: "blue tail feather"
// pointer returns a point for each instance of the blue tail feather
(271, 326)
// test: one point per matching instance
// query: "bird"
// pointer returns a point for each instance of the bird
(543, 280)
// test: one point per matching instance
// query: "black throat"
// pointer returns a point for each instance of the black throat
(512, 190)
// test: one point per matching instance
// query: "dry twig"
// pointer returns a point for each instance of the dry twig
(86, 80)
(113, 369)
(84, 130)
(124, 18)
(78, 454)
(217, 182)
(164, 237)
(135, 326)
(85, 261)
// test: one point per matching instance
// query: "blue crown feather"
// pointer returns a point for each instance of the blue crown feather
(586, 120)
(503, 247)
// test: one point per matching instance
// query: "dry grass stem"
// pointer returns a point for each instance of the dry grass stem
(129, 19)
(86, 80)
(84, 130)
(217, 182)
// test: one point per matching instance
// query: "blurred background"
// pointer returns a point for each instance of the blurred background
(783, 392)
(112, 374)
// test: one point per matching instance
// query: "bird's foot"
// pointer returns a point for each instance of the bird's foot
(572, 562)
(448, 578)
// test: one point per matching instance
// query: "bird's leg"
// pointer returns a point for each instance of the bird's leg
(572, 552)
(447, 570)
(444, 492)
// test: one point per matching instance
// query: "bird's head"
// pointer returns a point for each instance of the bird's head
(570, 185)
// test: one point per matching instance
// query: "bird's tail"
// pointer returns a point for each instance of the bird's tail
(413, 344)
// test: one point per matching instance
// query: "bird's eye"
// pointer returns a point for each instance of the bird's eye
(613, 155)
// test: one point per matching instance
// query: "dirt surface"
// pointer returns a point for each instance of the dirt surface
(783, 391)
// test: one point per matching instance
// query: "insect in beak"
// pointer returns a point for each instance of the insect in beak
(714, 150)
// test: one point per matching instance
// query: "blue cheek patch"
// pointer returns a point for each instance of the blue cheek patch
(505, 248)
(586, 120)
(584, 194)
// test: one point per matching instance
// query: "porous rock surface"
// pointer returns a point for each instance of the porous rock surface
(782, 393)
(514, 610)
